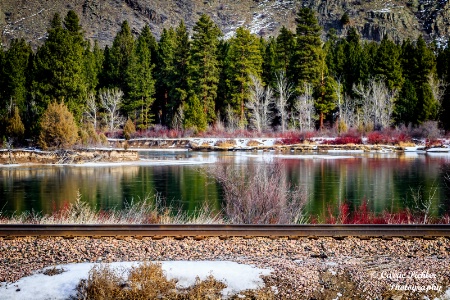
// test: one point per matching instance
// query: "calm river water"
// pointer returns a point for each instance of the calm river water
(386, 181)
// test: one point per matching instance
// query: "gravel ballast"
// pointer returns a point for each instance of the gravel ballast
(323, 268)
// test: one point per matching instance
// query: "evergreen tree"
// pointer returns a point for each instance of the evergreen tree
(15, 75)
(93, 61)
(388, 64)
(195, 118)
(405, 109)
(58, 73)
(244, 60)
(325, 96)
(165, 73)
(223, 91)
(179, 88)
(270, 65)
(204, 67)
(117, 59)
(443, 71)
(285, 46)
(307, 61)
(141, 85)
(418, 63)
(355, 69)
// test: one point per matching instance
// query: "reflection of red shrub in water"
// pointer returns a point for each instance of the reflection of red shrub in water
(362, 215)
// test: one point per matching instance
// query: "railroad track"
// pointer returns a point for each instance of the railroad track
(226, 231)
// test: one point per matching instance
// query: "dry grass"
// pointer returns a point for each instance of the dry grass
(253, 143)
(226, 144)
(151, 210)
(148, 281)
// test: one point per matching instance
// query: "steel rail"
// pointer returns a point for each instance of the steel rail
(180, 231)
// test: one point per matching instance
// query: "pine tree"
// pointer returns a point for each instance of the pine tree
(271, 65)
(179, 86)
(15, 74)
(58, 73)
(418, 63)
(223, 90)
(405, 109)
(443, 71)
(141, 85)
(93, 62)
(204, 67)
(285, 46)
(195, 118)
(244, 60)
(306, 62)
(355, 69)
(164, 74)
(388, 64)
(117, 59)
(325, 96)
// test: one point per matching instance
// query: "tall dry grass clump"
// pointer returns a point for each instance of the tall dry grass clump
(259, 194)
(148, 281)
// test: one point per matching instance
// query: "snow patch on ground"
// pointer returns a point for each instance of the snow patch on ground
(237, 277)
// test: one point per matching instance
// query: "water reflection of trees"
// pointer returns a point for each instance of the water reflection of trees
(49, 188)
(384, 182)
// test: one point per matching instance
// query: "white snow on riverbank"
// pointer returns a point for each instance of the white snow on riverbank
(303, 156)
(237, 277)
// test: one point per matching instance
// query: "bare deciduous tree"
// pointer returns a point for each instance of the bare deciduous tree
(259, 103)
(304, 106)
(111, 100)
(376, 104)
(438, 87)
(233, 119)
(285, 91)
(365, 105)
(91, 109)
(349, 116)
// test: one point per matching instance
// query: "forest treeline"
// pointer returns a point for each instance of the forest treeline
(195, 80)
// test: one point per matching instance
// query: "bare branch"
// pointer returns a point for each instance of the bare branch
(111, 100)
(285, 91)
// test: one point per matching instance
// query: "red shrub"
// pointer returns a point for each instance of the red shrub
(290, 138)
(376, 137)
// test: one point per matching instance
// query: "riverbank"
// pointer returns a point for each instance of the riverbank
(121, 150)
(22, 156)
(315, 145)
(304, 268)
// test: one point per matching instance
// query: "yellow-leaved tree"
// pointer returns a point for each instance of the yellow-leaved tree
(58, 127)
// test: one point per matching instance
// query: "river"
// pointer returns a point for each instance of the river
(385, 181)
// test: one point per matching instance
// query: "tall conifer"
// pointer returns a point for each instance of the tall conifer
(245, 59)
(307, 60)
(141, 84)
(58, 73)
(204, 67)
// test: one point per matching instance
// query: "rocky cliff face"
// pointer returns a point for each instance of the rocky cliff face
(101, 19)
